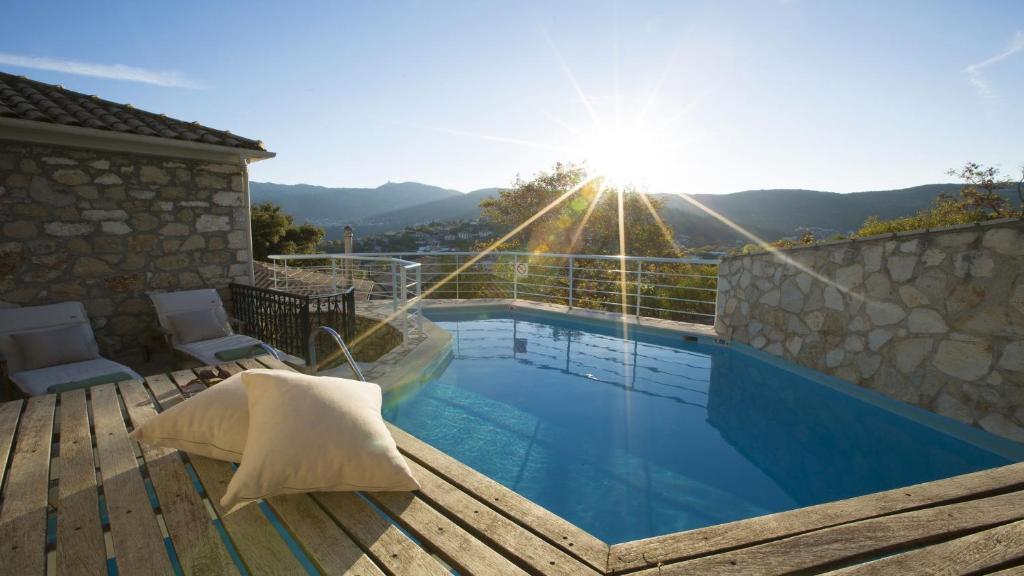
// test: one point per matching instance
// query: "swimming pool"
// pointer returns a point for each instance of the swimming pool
(632, 438)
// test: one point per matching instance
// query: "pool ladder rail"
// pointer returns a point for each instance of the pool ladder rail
(313, 367)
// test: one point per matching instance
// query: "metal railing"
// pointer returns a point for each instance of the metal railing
(284, 320)
(313, 365)
(672, 288)
(371, 276)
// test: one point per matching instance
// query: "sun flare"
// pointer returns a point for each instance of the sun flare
(626, 156)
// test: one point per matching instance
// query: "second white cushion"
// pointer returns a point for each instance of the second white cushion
(313, 434)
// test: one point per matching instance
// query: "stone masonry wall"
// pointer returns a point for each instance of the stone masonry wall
(105, 228)
(932, 318)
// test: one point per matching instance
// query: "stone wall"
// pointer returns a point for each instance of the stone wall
(932, 318)
(105, 228)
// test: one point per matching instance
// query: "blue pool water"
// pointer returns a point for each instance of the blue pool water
(635, 438)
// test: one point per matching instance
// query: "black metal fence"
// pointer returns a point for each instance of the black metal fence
(285, 320)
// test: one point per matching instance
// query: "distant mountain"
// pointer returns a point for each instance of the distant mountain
(770, 214)
(339, 206)
(462, 207)
(778, 213)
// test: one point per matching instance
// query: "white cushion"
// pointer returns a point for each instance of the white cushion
(55, 346)
(213, 423)
(197, 325)
(205, 350)
(312, 434)
(33, 318)
(35, 382)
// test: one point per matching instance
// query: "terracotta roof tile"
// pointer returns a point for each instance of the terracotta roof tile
(26, 99)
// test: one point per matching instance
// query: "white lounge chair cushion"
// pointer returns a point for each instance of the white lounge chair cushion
(205, 350)
(33, 318)
(314, 434)
(197, 325)
(35, 382)
(55, 346)
(213, 423)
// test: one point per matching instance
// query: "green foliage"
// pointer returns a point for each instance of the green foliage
(274, 232)
(586, 220)
(979, 200)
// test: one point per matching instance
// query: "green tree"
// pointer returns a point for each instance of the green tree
(979, 200)
(567, 227)
(274, 232)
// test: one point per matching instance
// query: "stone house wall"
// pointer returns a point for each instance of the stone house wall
(933, 318)
(105, 228)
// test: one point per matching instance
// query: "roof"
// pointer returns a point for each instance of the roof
(25, 99)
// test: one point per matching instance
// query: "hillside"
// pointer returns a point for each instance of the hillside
(770, 214)
(462, 207)
(339, 206)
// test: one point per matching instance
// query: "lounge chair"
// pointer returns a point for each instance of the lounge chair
(52, 348)
(196, 325)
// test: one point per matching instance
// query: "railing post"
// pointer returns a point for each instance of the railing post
(419, 299)
(457, 294)
(334, 274)
(639, 273)
(571, 259)
(394, 286)
(515, 276)
(305, 326)
(405, 308)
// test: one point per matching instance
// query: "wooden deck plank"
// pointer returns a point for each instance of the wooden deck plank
(456, 546)
(10, 412)
(553, 528)
(23, 512)
(271, 362)
(80, 548)
(197, 541)
(250, 364)
(858, 540)
(495, 529)
(325, 543)
(259, 545)
(704, 541)
(971, 554)
(388, 546)
(138, 541)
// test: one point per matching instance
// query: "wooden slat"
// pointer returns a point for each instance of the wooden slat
(23, 512)
(495, 529)
(682, 545)
(197, 541)
(9, 414)
(138, 542)
(325, 543)
(257, 541)
(389, 547)
(567, 536)
(250, 364)
(456, 546)
(858, 540)
(80, 548)
(271, 362)
(972, 554)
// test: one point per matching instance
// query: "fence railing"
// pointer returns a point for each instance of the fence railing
(285, 320)
(371, 276)
(682, 289)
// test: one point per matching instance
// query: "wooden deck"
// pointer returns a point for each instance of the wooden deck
(80, 497)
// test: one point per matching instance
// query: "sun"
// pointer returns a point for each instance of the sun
(625, 156)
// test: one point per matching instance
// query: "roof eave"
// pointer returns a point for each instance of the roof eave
(80, 137)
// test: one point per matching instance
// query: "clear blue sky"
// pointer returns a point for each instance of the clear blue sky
(841, 96)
